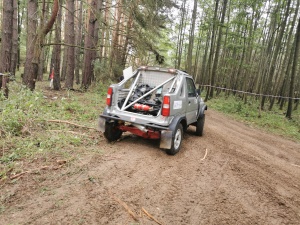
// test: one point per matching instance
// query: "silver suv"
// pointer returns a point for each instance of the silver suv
(154, 103)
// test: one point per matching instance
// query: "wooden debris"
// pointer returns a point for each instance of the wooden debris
(18, 175)
(295, 165)
(204, 155)
(151, 217)
(72, 132)
(71, 123)
(132, 214)
(36, 170)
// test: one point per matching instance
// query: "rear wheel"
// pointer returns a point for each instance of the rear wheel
(200, 125)
(112, 133)
(176, 140)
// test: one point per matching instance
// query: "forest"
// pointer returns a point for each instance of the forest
(246, 48)
(57, 166)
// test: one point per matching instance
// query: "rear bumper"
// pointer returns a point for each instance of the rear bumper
(158, 132)
(103, 118)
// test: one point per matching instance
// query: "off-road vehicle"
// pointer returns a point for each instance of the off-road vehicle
(154, 103)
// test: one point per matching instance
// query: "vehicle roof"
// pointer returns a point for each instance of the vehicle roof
(164, 69)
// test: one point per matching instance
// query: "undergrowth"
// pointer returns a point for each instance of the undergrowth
(273, 121)
(27, 129)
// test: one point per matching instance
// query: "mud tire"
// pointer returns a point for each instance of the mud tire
(176, 140)
(112, 133)
(200, 125)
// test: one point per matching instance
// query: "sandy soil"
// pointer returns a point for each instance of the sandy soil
(234, 174)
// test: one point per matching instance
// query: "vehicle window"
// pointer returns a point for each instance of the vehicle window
(191, 87)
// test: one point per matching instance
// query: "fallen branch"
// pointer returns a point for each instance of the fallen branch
(150, 216)
(295, 165)
(132, 214)
(204, 155)
(35, 170)
(72, 132)
(71, 123)
(18, 175)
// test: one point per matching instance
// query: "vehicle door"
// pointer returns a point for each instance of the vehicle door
(192, 101)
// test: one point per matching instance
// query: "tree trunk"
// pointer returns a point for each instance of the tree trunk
(34, 44)
(272, 65)
(78, 43)
(31, 39)
(6, 44)
(20, 22)
(182, 27)
(89, 44)
(15, 35)
(70, 32)
(57, 51)
(293, 72)
(216, 58)
(191, 40)
(212, 43)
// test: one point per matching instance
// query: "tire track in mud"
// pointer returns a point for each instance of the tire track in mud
(247, 177)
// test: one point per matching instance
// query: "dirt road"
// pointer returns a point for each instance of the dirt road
(234, 174)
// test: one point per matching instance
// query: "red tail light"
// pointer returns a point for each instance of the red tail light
(109, 96)
(166, 106)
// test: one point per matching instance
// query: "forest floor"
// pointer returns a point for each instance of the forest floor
(234, 174)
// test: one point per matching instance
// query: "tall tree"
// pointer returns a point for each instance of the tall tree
(78, 37)
(14, 57)
(35, 41)
(6, 44)
(57, 51)
(293, 72)
(217, 53)
(89, 45)
(191, 39)
(275, 54)
(70, 32)
(211, 53)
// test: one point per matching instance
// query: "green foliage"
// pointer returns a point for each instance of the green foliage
(273, 121)
(18, 111)
(26, 130)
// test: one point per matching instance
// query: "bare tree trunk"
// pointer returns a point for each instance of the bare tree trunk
(216, 58)
(293, 72)
(6, 44)
(89, 44)
(114, 48)
(125, 46)
(65, 50)
(31, 39)
(20, 21)
(14, 56)
(212, 43)
(182, 27)
(70, 31)
(57, 51)
(78, 43)
(271, 66)
(34, 45)
(191, 40)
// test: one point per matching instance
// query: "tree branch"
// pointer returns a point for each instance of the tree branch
(50, 23)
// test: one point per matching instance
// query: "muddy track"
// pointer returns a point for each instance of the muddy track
(234, 174)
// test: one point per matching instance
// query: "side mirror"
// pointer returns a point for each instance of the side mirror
(198, 91)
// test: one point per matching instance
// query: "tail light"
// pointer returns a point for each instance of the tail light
(166, 106)
(109, 96)
(173, 71)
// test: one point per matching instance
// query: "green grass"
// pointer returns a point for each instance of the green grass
(26, 132)
(273, 121)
